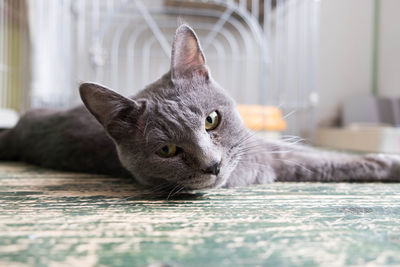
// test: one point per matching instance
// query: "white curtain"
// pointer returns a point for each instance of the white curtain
(51, 46)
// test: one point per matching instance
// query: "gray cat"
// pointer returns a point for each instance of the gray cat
(182, 130)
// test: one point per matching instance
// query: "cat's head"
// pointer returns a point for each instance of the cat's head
(182, 130)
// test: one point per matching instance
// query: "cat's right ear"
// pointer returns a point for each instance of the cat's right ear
(111, 109)
(187, 59)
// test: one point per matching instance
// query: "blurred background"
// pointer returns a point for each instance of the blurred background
(326, 70)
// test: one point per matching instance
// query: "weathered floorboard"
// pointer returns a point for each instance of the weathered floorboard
(52, 218)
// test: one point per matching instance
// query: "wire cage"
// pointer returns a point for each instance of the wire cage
(262, 52)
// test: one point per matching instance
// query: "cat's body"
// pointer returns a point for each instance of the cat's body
(181, 131)
(66, 140)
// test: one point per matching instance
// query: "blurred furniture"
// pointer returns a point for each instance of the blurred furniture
(267, 121)
(371, 110)
(369, 124)
(360, 138)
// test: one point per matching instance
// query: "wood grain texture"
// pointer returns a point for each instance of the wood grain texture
(50, 218)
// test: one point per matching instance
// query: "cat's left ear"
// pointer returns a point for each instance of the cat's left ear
(187, 58)
(115, 112)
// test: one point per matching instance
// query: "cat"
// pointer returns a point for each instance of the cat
(182, 130)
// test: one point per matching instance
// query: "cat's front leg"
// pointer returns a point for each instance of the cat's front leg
(331, 167)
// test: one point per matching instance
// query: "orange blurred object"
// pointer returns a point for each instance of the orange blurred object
(262, 118)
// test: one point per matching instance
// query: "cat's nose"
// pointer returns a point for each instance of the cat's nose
(214, 168)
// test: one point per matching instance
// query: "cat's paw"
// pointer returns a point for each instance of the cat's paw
(389, 162)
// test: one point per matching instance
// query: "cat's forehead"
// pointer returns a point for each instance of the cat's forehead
(170, 120)
(192, 96)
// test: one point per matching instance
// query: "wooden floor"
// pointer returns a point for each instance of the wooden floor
(49, 218)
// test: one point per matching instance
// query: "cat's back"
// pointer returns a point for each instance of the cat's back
(45, 116)
(65, 139)
(38, 125)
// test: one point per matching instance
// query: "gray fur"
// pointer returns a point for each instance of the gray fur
(120, 136)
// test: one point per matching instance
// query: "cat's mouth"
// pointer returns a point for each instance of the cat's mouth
(193, 182)
(207, 181)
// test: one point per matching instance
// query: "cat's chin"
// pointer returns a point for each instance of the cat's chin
(203, 182)
(199, 182)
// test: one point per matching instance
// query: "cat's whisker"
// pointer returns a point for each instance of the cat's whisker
(256, 148)
(289, 114)
(161, 188)
(247, 135)
(256, 145)
(246, 140)
(286, 143)
(241, 144)
(179, 190)
(296, 164)
(285, 136)
(173, 189)
(250, 152)
(257, 164)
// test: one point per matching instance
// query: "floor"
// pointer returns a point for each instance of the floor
(50, 218)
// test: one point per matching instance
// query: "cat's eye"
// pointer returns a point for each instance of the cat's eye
(212, 121)
(167, 151)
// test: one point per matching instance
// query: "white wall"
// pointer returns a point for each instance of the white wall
(345, 53)
(346, 48)
(389, 49)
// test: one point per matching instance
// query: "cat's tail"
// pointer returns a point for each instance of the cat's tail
(7, 148)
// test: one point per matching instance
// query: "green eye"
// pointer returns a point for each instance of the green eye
(212, 121)
(167, 151)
